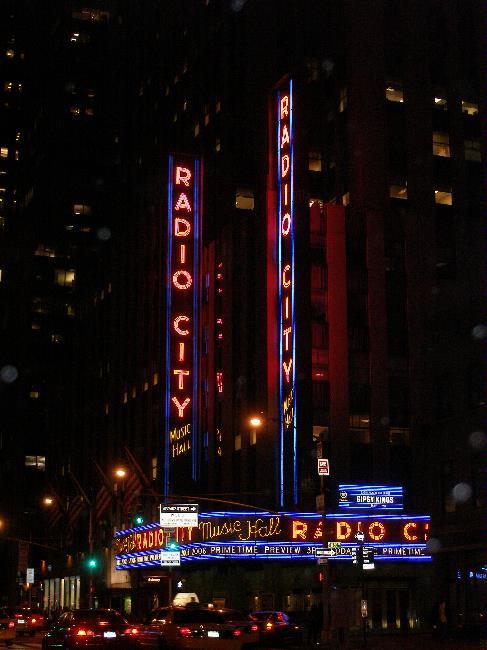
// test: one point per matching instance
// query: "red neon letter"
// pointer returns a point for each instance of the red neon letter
(285, 282)
(286, 201)
(344, 530)
(284, 166)
(285, 136)
(181, 374)
(183, 202)
(178, 230)
(287, 369)
(286, 224)
(182, 406)
(176, 322)
(286, 333)
(377, 536)
(182, 253)
(181, 352)
(286, 307)
(284, 106)
(299, 529)
(182, 285)
(411, 537)
(183, 175)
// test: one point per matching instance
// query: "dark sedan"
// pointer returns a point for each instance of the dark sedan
(92, 628)
(276, 628)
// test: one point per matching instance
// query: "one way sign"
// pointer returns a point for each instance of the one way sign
(325, 552)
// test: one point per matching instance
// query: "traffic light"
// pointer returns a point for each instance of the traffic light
(91, 562)
(138, 519)
(172, 545)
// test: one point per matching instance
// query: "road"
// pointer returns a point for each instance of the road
(23, 642)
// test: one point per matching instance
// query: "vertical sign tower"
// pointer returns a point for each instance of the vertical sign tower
(182, 259)
(286, 285)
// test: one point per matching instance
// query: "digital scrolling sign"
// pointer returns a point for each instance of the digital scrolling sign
(278, 536)
(183, 241)
(286, 285)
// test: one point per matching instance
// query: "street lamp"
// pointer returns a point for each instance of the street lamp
(120, 472)
(255, 421)
(47, 501)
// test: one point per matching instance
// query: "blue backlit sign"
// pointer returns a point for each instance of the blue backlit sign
(370, 497)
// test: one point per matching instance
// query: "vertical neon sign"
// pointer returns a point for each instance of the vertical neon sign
(285, 283)
(183, 242)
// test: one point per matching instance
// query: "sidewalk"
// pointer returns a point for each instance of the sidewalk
(410, 642)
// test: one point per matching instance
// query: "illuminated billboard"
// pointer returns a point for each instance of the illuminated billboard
(285, 238)
(370, 497)
(279, 536)
(182, 259)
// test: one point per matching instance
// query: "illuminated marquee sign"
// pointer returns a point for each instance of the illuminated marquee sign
(183, 242)
(285, 283)
(278, 536)
(370, 497)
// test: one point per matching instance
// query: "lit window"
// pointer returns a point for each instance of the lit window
(166, 92)
(3, 152)
(441, 102)
(57, 338)
(346, 199)
(44, 251)
(125, 397)
(238, 442)
(75, 110)
(82, 209)
(1, 275)
(155, 379)
(8, 86)
(74, 37)
(218, 146)
(185, 105)
(314, 161)
(39, 462)
(394, 94)
(472, 150)
(69, 310)
(342, 104)
(10, 54)
(443, 198)
(154, 468)
(244, 199)
(441, 144)
(470, 108)
(207, 119)
(218, 106)
(398, 191)
(253, 437)
(196, 129)
(34, 394)
(65, 278)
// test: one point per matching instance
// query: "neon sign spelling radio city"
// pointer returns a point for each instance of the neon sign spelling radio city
(181, 313)
(285, 239)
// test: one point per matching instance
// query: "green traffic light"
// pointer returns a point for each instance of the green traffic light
(139, 520)
(173, 546)
(91, 563)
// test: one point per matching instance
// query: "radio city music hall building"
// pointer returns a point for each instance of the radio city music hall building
(308, 254)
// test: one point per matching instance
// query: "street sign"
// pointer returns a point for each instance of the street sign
(334, 544)
(170, 558)
(323, 467)
(363, 608)
(368, 557)
(322, 560)
(325, 552)
(179, 515)
(29, 576)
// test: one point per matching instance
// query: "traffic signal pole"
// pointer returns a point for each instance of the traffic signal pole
(325, 593)
(90, 546)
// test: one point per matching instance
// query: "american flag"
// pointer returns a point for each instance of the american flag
(75, 509)
(103, 500)
(54, 513)
(132, 489)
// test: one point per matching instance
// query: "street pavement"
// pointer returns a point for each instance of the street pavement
(23, 642)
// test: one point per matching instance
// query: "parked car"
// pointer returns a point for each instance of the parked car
(94, 628)
(277, 628)
(28, 621)
(198, 627)
(7, 627)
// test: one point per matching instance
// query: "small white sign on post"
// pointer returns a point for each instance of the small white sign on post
(29, 576)
(170, 558)
(363, 608)
(179, 515)
(323, 467)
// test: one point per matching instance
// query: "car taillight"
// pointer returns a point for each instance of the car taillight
(18, 615)
(83, 631)
(132, 630)
(237, 632)
(254, 628)
(33, 620)
(268, 626)
(184, 631)
(11, 624)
